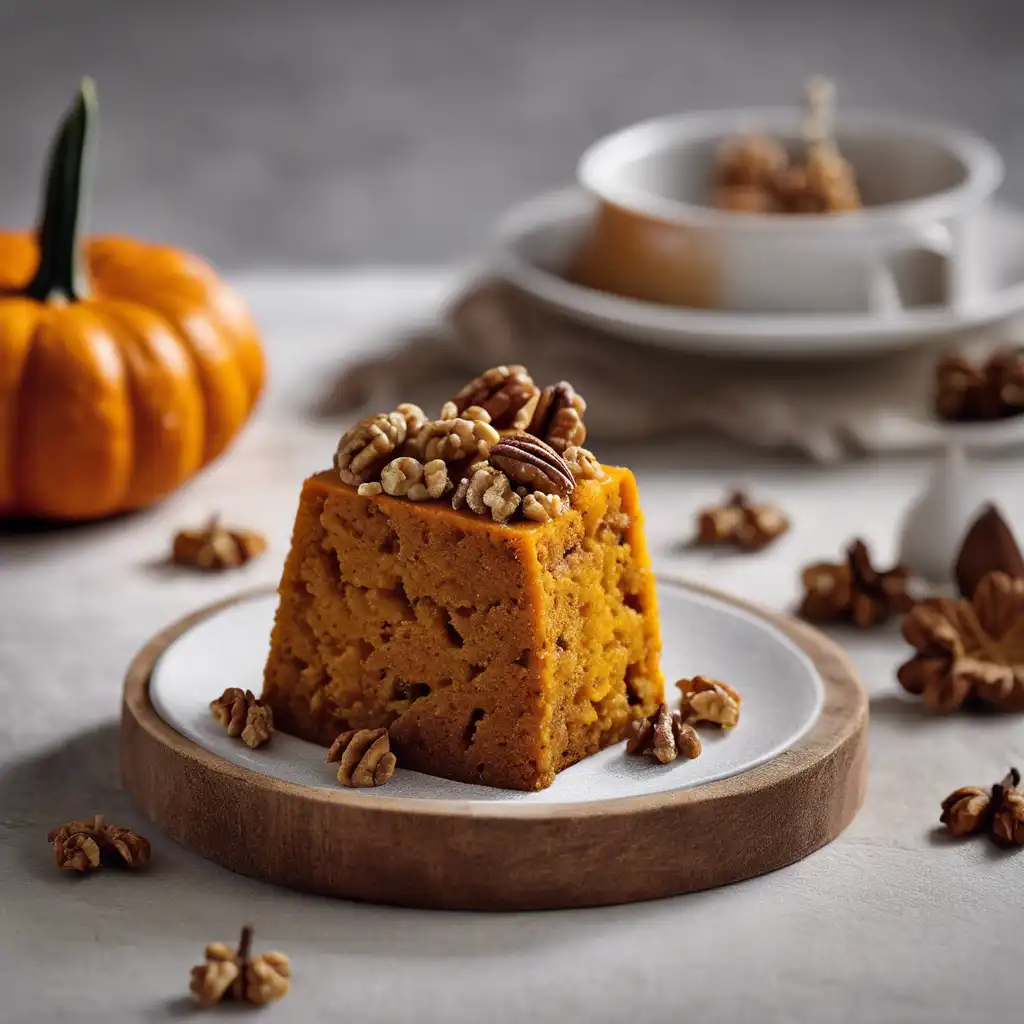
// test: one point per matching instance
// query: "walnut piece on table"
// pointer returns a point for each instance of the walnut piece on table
(215, 548)
(854, 590)
(239, 976)
(87, 844)
(739, 521)
(968, 650)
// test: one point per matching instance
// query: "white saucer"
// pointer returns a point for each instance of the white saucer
(535, 241)
(782, 699)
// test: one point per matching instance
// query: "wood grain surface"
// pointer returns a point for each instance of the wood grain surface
(452, 855)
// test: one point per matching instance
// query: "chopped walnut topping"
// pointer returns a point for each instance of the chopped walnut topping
(583, 464)
(528, 460)
(399, 475)
(457, 438)
(365, 756)
(414, 418)
(85, 845)
(709, 700)
(968, 648)
(240, 976)
(751, 527)
(487, 491)
(966, 810)
(507, 393)
(244, 716)
(369, 490)
(542, 508)
(558, 418)
(215, 548)
(665, 736)
(435, 478)
(363, 449)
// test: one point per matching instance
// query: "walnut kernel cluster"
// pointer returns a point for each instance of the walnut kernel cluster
(502, 447)
(972, 810)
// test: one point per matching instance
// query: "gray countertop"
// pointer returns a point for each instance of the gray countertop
(263, 134)
(892, 922)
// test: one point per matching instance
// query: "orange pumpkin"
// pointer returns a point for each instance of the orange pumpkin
(116, 387)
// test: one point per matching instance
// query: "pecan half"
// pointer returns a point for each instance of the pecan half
(664, 736)
(528, 460)
(507, 393)
(365, 756)
(558, 418)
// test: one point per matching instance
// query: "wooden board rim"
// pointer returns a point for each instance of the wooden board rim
(838, 734)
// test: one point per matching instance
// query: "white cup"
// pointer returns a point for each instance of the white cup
(917, 241)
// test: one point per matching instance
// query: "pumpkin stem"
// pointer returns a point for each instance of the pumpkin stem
(58, 273)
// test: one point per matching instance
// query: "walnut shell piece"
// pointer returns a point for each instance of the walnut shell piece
(988, 546)
(363, 449)
(710, 701)
(664, 736)
(966, 810)
(558, 418)
(365, 756)
(507, 393)
(526, 459)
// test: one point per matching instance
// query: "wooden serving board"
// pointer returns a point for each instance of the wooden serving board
(504, 856)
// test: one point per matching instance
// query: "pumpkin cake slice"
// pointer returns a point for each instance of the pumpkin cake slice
(485, 596)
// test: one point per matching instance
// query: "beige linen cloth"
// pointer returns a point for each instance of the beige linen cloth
(829, 410)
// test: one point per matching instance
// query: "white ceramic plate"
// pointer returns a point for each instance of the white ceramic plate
(535, 242)
(782, 697)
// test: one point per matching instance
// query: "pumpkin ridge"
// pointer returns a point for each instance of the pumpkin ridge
(15, 348)
(165, 401)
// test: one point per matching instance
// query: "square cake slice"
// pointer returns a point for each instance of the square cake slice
(496, 653)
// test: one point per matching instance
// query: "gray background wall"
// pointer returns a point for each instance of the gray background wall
(273, 132)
